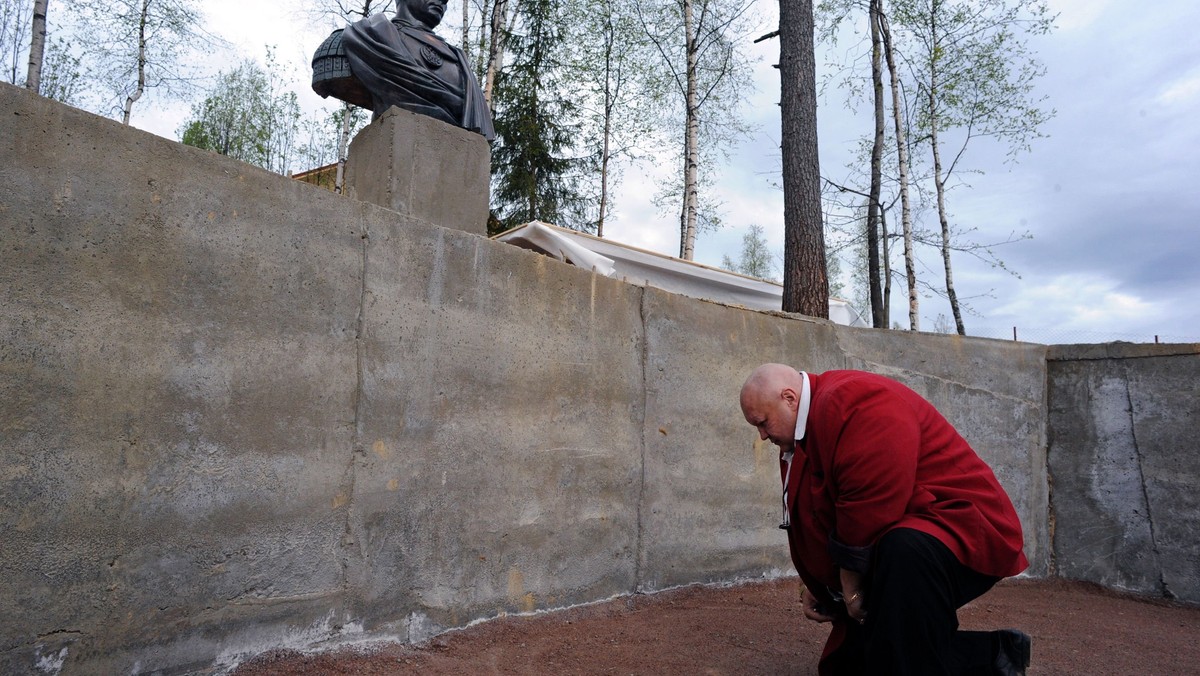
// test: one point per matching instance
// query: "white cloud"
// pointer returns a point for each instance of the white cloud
(1181, 91)
(1079, 302)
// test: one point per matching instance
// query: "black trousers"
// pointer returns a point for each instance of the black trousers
(915, 588)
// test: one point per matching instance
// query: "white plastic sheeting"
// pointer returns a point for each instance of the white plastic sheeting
(646, 268)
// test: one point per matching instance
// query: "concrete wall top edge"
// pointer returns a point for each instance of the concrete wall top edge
(1119, 350)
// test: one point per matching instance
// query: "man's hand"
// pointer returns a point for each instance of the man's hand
(809, 603)
(853, 595)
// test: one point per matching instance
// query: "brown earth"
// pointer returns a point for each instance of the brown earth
(758, 628)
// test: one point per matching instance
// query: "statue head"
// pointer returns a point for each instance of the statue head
(427, 13)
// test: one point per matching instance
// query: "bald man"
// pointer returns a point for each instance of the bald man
(893, 523)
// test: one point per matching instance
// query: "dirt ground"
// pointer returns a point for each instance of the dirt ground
(758, 629)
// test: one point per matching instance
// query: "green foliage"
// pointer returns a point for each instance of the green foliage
(611, 70)
(705, 76)
(249, 116)
(535, 173)
(756, 259)
(63, 73)
(985, 69)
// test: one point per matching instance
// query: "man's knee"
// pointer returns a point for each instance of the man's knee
(908, 562)
(906, 545)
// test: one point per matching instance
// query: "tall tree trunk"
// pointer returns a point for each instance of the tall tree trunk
(939, 180)
(885, 243)
(343, 148)
(691, 153)
(37, 47)
(466, 27)
(496, 48)
(606, 149)
(879, 318)
(910, 269)
(478, 54)
(805, 279)
(141, 65)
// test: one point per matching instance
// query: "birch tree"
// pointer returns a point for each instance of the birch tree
(698, 42)
(611, 69)
(975, 75)
(900, 126)
(37, 46)
(495, 37)
(992, 75)
(485, 24)
(879, 300)
(60, 74)
(140, 46)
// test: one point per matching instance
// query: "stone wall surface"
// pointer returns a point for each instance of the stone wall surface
(241, 412)
(1124, 462)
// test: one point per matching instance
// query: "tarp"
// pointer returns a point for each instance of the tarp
(647, 268)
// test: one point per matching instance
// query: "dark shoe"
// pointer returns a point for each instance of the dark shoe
(1013, 656)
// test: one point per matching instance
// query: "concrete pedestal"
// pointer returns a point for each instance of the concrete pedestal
(423, 168)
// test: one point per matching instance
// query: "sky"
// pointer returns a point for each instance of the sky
(1109, 196)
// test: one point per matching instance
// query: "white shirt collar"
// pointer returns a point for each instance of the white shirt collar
(802, 409)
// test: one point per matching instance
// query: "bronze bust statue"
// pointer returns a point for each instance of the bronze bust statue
(378, 63)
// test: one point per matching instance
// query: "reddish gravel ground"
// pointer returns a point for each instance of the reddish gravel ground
(758, 628)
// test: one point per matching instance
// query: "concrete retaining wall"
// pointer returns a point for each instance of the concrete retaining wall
(242, 412)
(1124, 460)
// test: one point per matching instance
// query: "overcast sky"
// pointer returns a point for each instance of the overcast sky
(1109, 196)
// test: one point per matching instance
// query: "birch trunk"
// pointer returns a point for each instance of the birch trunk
(141, 65)
(939, 180)
(37, 47)
(910, 269)
(879, 318)
(495, 49)
(343, 147)
(606, 150)
(691, 154)
(466, 28)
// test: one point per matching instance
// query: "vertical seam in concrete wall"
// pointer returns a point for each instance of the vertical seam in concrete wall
(641, 499)
(349, 475)
(1047, 444)
(1137, 450)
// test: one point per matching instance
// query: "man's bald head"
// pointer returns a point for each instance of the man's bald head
(770, 400)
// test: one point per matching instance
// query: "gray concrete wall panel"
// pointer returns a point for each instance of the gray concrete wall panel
(1124, 462)
(177, 372)
(500, 470)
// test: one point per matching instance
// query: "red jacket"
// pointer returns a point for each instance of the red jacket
(876, 456)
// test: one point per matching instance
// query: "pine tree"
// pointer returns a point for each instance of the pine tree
(805, 277)
(535, 174)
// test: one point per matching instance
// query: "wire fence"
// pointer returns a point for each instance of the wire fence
(1059, 336)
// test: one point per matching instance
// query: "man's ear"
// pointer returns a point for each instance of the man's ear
(789, 395)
